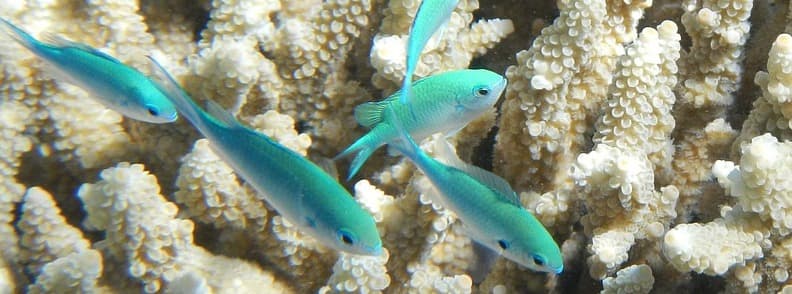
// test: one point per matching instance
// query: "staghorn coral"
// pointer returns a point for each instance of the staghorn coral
(610, 132)
(45, 234)
(631, 279)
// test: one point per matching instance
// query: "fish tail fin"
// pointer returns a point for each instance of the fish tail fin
(176, 94)
(363, 148)
(406, 95)
(19, 35)
(361, 157)
(405, 144)
(406, 90)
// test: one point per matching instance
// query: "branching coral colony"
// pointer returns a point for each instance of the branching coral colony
(617, 130)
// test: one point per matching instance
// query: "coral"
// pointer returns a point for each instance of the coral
(725, 247)
(358, 274)
(709, 76)
(631, 279)
(457, 43)
(761, 181)
(45, 234)
(623, 128)
(158, 247)
(75, 272)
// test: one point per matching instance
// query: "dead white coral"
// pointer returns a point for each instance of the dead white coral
(373, 200)
(543, 113)
(730, 240)
(46, 236)
(76, 272)
(429, 279)
(237, 19)
(141, 228)
(121, 28)
(638, 112)
(358, 274)
(772, 112)
(608, 251)
(230, 72)
(139, 223)
(13, 145)
(633, 279)
(281, 128)
(607, 168)
(761, 182)
(718, 31)
(454, 48)
(211, 192)
(7, 283)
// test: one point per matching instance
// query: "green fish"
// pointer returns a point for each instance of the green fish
(298, 189)
(114, 84)
(489, 209)
(445, 103)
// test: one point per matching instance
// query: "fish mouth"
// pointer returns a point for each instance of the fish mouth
(502, 84)
(173, 117)
(375, 250)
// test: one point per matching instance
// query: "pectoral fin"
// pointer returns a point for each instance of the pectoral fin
(369, 114)
(483, 260)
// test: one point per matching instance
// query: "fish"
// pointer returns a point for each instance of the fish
(445, 103)
(489, 209)
(112, 83)
(431, 15)
(297, 188)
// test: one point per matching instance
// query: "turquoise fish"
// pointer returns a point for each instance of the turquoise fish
(431, 15)
(297, 188)
(114, 84)
(489, 209)
(445, 103)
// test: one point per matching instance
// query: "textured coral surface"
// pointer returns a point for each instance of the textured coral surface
(650, 137)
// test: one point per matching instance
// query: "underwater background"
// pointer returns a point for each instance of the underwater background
(649, 137)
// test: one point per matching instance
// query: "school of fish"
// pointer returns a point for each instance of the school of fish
(303, 192)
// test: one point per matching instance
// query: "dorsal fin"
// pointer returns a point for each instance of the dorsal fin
(370, 114)
(220, 114)
(447, 154)
(59, 41)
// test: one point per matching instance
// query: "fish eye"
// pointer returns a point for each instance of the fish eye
(346, 237)
(538, 260)
(482, 91)
(503, 244)
(153, 110)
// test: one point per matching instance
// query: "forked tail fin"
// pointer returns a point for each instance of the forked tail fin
(406, 93)
(405, 144)
(19, 35)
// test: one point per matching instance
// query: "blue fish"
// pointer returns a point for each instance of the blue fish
(445, 102)
(114, 84)
(489, 209)
(297, 188)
